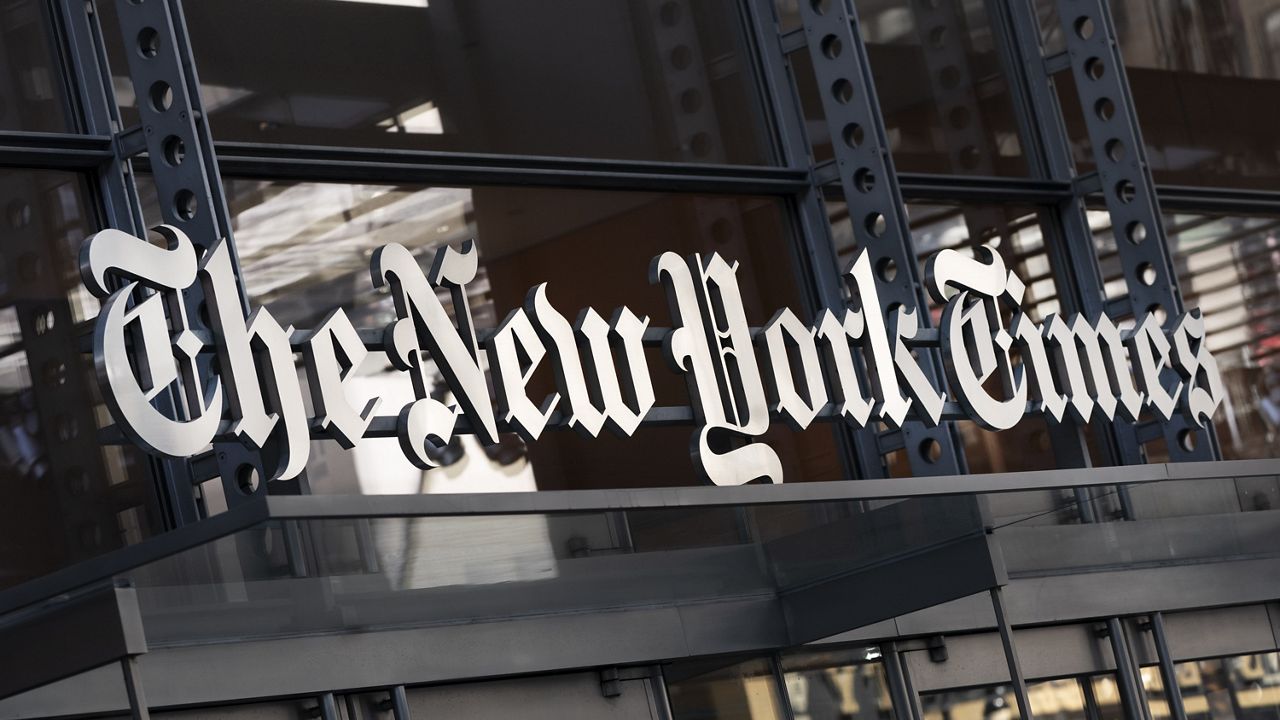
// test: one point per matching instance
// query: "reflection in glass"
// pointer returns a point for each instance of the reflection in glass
(1106, 696)
(940, 86)
(1063, 699)
(628, 79)
(1205, 80)
(1229, 268)
(66, 497)
(741, 691)
(1246, 687)
(840, 685)
(986, 703)
(305, 248)
(395, 571)
(1016, 235)
(31, 97)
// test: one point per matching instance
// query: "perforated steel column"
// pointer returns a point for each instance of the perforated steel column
(176, 138)
(1126, 186)
(870, 185)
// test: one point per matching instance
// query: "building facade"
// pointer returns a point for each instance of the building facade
(1118, 157)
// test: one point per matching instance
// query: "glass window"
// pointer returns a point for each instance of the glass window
(305, 247)
(1153, 687)
(1063, 699)
(1056, 699)
(940, 86)
(1229, 268)
(627, 79)
(31, 97)
(986, 703)
(1246, 687)
(839, 685)
(741, 691)
(67, 497)
(1015, 232)
(1206, 79)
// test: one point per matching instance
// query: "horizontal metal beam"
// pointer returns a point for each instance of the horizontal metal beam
(54, 150)
(364, 661)
(551, 501)
(344, 506)
(959, 188)
(310, 665)
(318, 164)
(1226, 201)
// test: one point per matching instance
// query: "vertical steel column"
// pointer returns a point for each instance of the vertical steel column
(1126, 677)
(86, 63)
(690, 109)
(780, 680)
(817, 250)
(399, 703)
(906, 702)
(1068, 237)
(1091, 711)
(1168, 674)
(328, 707)
(1011, 654)
(661, 700)
(177, 140)
(867, 177)
(1125, 182)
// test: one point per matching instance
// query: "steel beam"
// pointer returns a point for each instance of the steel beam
(1168, 674)
(1128, 192)
(870, 184)
(183, 165)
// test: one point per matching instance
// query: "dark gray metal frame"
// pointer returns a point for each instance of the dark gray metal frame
(107, 154)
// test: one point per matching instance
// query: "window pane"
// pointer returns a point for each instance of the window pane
(839, 685)
(1058, 699)
(986, 703)
(945, 101)
(1246, 687)
(67, 497)
(1206, 82)
(745, 691)
(1153, 686)
(1229, 268)
(305, 249)
(1106, 693)
(31, 97)
(629, 79)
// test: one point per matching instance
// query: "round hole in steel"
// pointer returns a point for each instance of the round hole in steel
(148, 42)
(161, 96)
(864, 180)
(875, 224)
(853, 135)
(185, 204)
(174, 150)
(842, 91)
(832, 47)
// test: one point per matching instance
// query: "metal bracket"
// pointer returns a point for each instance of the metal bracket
(131, 143)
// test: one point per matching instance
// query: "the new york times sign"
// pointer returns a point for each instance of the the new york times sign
(740, 378)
